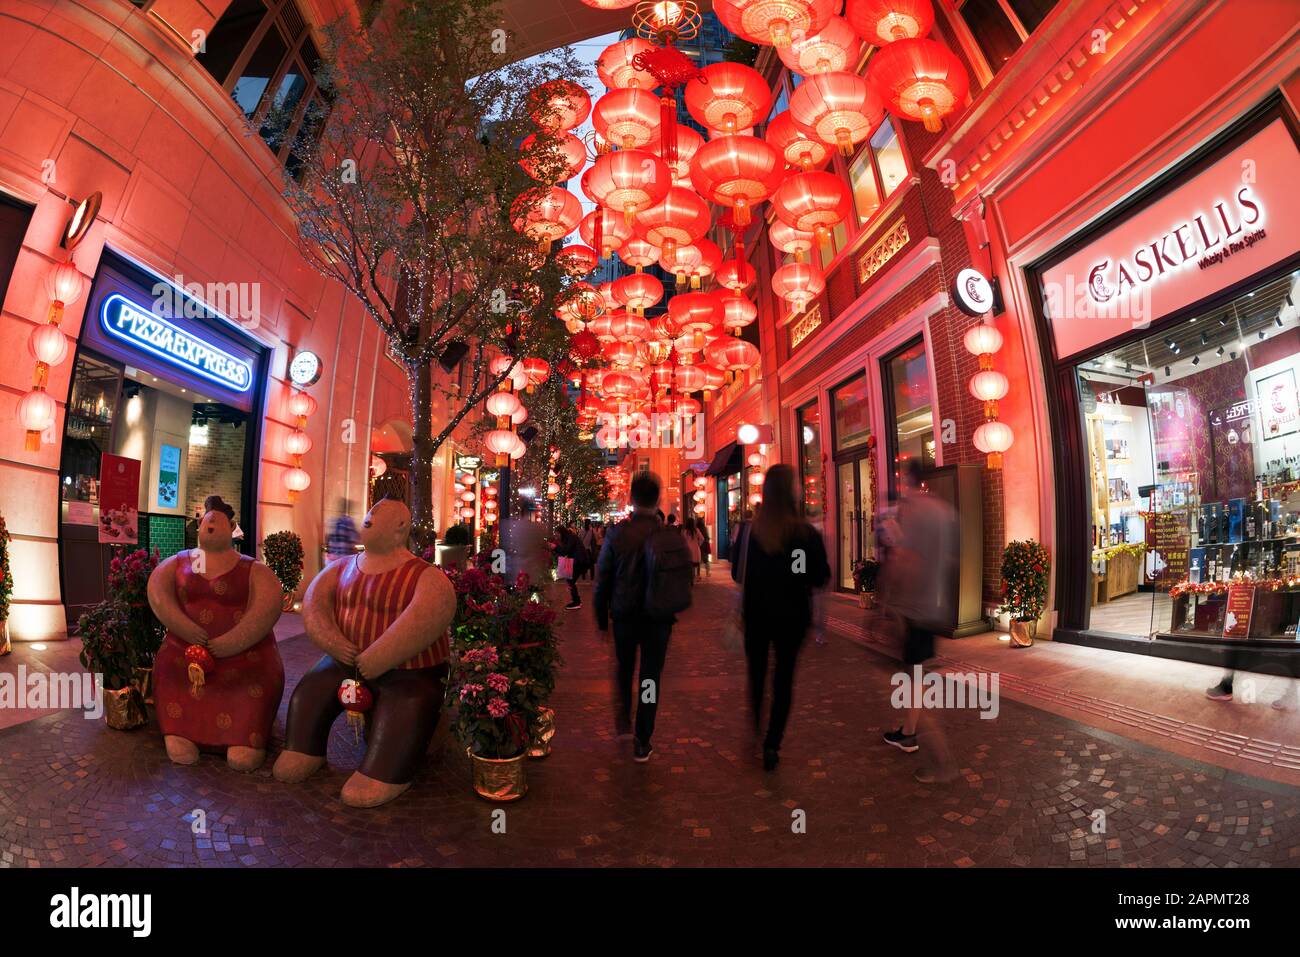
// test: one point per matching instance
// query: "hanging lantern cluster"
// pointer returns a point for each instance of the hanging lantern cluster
(504, 405)
(988, 385)
(298, 443)
(465, 495)
(48, 346)
(755, 463)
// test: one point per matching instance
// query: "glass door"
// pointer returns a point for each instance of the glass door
(908, 408)
(855, 485)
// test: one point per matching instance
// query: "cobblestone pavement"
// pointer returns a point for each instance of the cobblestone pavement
(73, 792)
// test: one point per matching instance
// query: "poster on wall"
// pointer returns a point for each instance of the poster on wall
(1279, 409)
(1241, 599)
(119, 497)
(169, 475)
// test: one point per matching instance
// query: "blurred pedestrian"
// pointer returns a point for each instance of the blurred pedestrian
(692, 538)
(919, 574)
(343, 537)
(706, 545)
(780, 560)
(570, 555)
(524, 545)
(591, 542)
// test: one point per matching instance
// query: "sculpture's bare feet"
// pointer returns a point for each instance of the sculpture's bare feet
(245, 759)
(181, 750)
(293, 767)
(361, 791)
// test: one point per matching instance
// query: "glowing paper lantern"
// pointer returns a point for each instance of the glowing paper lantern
(798, 284)
(296, 480)
(558, 105)
(36, 412)
(467, 513)
(737, 171)
(301, 404)
(920, 79)
(736, 275)
(576, 260)
(378, 466)
(994, 438)
(797, 147)
(616, 70)
(832, 48)
(774, 22)
(627, 117)
(733, 96)
(545, 214)
(638, 253)
(638, 291)
(737, 312)
(688, 143)
(47, 344)
(989, 386)
(63, 284)
(297, 442)
(813, 202)
(982, 340)
(552, 160)
(733, 355)
(536, 371)
(629, 181)
(604, 231)
(502, 404)
(790, 240)
(679, 219)
(880, 22)
(839, 108)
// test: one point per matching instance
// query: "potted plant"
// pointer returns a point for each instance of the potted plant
(6, 587)
(454, 547)
(128, 585)
(865, 572)
(282, 552)
(1025, 566)
(107, 653)
(489, 696)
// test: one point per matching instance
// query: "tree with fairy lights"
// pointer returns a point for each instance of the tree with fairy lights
(412, 194)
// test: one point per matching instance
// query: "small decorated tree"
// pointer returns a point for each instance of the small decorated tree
(1025, 567)
(128, 584)
(6, 587)
(282, 552)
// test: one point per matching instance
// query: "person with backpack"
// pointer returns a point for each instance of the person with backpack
(779, 561)
(643, 579)
(570, 557)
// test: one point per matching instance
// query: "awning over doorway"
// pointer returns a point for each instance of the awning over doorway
(726, 461)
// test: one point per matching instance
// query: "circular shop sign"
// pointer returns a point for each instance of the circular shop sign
(973, 292)
(305, 369)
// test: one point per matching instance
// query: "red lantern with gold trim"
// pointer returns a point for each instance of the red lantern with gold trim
(552, 160)
(627, 117)
(813, 202)
(558, 105)
(616, 70)
(797, 147)
(680, 218)
(629, 181)
(738, 172)
(545, 214)
(774, 22)
(834, 47)
(604, 231)
(732, 97)
(837, 108)
(798, 284)
(638, 292)
(920, 79)
(881, 22)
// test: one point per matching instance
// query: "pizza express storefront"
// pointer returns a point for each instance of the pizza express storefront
(1175, 400)
(164, 409)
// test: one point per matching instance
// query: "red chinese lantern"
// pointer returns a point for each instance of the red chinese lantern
(627, 327)
(790, 240)
(627, 117)
(604, 231)
(834, 47)
(638, 253)
(733, 355)
(356, 699)
(881, 22)
(616, 70)
(688, 142)
(199, 664)
(618, 384)
(737, 171)
(678, 219)
(558, 105)
(502, 404)
(552, 159)
(813, 202)
(983, 340)
(545, 214)
(840, 108)
(797, 147)
(989, 385)
(737, 312)
(36, 412)
(580, 303)
(48, 346)
(920, 79)
(798, 284)
(535, 371)
(297, 442)
(732, 97)
(301, 404)
(689, 378)
(774, 22)
(736, 275)
(500, 442)
(638, 292)
(695, 313)
(629, 181)
(584, 346)
(63, 284)
(710, 260)
(576, 260)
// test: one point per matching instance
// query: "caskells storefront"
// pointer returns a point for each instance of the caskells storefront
(164, 408)
(1176, 406)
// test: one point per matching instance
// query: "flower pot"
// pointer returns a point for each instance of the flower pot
(1022, 633)
(143, 683)
(866, 599)
(499, 779)
(124, 708)
(5, 647)
(540, 734)
(286, 601)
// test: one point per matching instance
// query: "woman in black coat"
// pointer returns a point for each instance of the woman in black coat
(781, 560)
(570, 546)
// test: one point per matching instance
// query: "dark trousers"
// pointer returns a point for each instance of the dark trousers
(651, 637)
(399, 726)
(573, 590)
(787, 640)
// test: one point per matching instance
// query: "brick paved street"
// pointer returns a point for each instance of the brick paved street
(75, 793)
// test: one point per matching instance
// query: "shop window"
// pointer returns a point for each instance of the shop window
(877, 171)
(999, 27)
(808, 433)
(1192, 441)
(257, 73)
(907, 384)
(230, 37)
(851, 411)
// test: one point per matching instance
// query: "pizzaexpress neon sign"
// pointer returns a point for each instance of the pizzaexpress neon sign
(124, 320)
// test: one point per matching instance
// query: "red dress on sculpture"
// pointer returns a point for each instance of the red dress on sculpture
(238, 701)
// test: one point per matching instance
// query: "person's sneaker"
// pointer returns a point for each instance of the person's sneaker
(904, 742)
(572, 605)
(641, 752)
(771, 758)
(1219, 693)
(1282, 703)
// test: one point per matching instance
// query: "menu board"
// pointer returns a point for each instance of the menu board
(1169, 538)
(119, 498)
(169, 475)
(1236, 620)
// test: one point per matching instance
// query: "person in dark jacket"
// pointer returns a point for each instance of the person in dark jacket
(569, 545)
(620, 596)
(782, 561)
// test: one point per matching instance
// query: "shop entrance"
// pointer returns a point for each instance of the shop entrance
(855, 477)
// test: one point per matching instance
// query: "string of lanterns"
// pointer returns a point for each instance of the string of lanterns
(988, 385)
(48, 346)
(298, 443)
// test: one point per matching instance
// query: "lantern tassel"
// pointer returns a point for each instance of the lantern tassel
(357, 720)
(196, 679)
(668, 128)
(598, 234)
(33, 443)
